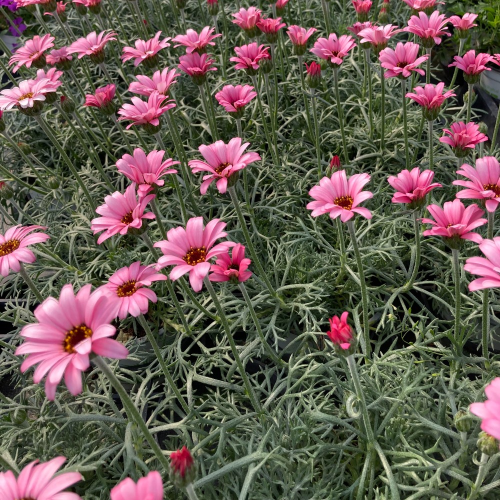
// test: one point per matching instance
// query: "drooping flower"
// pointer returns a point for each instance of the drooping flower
(146, 171)
(463, 137)
(270, 27)
(431, 98)
(422, 5)
(472, 65)
(103, 99)
(231, 267)
(333, 49)
(28, 97)
(32, 52)
(60, 58)
(149, 487)
(247, 20)
(483, 183)
(222, 162)
(195, 42)
(121, 212)
(234, 99)
(489, 411)
(37, 482)
(463, 24)
(160, 83)
(182, 468)
(92, 45)
(429, 29)
(378, 36)
(191, 249)
(412, 186)
(250, 56)
(340, 332)
(402, 61)
(67, 332)
(362, 8)
(455, 223)
(146, 52)
(339, 196)
(196, 66)
(488, 267)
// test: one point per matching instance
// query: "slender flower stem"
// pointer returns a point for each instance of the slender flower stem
(132, 412)
(341, 113)
(234, 349)
(326, 13)
(316, 133)
(382, 123)
(486, 309)
(157, 213)
(405, 123)
(245, 173)
(469, 102)
(30, 283)
(211, 108)
(480, 476)
(458, 298)
(428, 72)
(362, 282)
(416, 265)
(368, 71)
(190, 492)
(495, 133)
(213, 129)
(343, 254)
(431, 145)
(271, 105)
(455, 73)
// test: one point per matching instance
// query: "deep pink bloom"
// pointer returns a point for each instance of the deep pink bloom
(488, 267)
(247, 19)
(231, 268)
(146, 113)
(335, 163)
(483, 183)
(67, 332)
(146, 171)
(357, 27)
(313, 78)
(299, 36)
(145, 51)
(234, 99)
(149, 487)
(421, 5)
(249, 56)
(190, 249)
(362, 6)
(463, 24)
(280, 5)
(402, 61)
(339, 196)
(92, 45)
(454, 222)
(14, 247)
(222, 161)
(430, 29)
(121, 212)
(160, 83)
(102, 99)
(197, 66)
(37, 482)
(33, 52)
(195, 42)
(489, 411)
(463, 137)
(333, 49)
(412, 186)
(181, 461)
(340, 332)
(431, 98)
(472, 65)
(270, 27)
(59, 57)
(27, 95)
(378, 36)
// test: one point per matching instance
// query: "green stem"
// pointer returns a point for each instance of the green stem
(326, 13)
(212, 109)
(368, 71)
(428, 72)
(458, 298)
(405, 123)
(270, 104)
(245, 173)
(469, 102)
(495, 133)
(382, 124)
(455, 73)
(316, 134)
(208, 116)
(343, 253)
(30, 283)
(480, 476)
(341, 113)
(431, 145)
(190, 492)
(486, 310)
(157, 213)
(416, 265)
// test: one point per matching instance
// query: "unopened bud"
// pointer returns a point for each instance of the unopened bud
(463, 421)
(67, 105)
(182, 468)
(53, 182)
(335, 163)
(483, 128)
(6, 191)
(487, 444)
(25, 148)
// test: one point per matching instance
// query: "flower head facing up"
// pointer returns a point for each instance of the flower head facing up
(60, 58)
(234, 99)
(196, 66)
(362, 8)
(313, 77)
(250, 57)
(191, 249)
(431, 98)
(339, 196)
(340, 332)
(121, 213)
(463, 24)
(429, 29)
(67, 332)
(402, 61)
(149, 487)
(247, 20)
(333, 49)
(32, 53)
(455, 223)
(146, 171)
(483, 183)
(378, 36)
(412, 187)
(270, 27)
(222, 162)
(103, 99)
(463, 137)
(28, 97)
(160, 83)
(472, 65)
(195, 42)
(182, 467)
(231, 267)
(489, 411)
(37, 482)
(92, 45)
(488, 267)
(146, 52)
(299, 37)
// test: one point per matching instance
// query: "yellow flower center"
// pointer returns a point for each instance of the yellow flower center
(75, 336)
(127, 289)
(9, 247)
(344, 202)
(195, 256)
(492, 187)
(28, 95)
(221, 168)
(127, 219)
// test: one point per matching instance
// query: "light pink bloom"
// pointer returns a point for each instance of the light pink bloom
(37, 482)
(299, 36)
(483, 183)
(249, 56)
(340, 332)
(463, 24)
(59, 57)
(431, 98)
(231, 268)
(222, 161)
(378, 36)
(463, 137)
(197, 66)
(454, 222)
(362, 6)
(146, 171)
(145, 51)
(190, 249)
(412, 186)
(146, 113)
(333, 49)
(402, 61)
(92, 45)
(234, 99)
(160, 83)
(247, 18)
(270, 27)
(489, 411)
(357, 27)
(488, 267)
(128, 289)
(472, 65)
(420, 5)
(121, 212)
(339, 196)
(52, 75)
(33, 52)
(26, 95)
(149, 487)
(195, 42)
(430, 29)
(103, 98)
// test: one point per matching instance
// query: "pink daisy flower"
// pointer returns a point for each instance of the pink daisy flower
(422, 5)
(222, 161)
(339, 196)
(160, 83)
(362, 8)
(60, 58)
(92, 45)
(146, 52)
(472, 65)
(463, 24)
(234, 99)
(340, 332)
(488, 267)
(333, 49)
(149, 487)
(33, 52)
(455, 223)
(378, 36)
(280, 6)
(483, 183)
(247, 20)
(37, 482)
(102, 99)
(299, 36)
(53, 76)
(146, 171)
(270, 27)
(28, 97)
(196, 66)
(429, 29)
(231, 268)
(431, 98)
(47, 5)
(489, 411)
(412, 187)
(249, 57)
(195, 42)
(357, 27)
(463, 137)
(402, 61)
(121, 213)
(190, 249)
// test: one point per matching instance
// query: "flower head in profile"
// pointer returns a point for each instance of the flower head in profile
(249, 57)
(335, 163)
(431, 98)
(472, 65)
(231, 267)
(149, 487)
(37, 482)
(455, 223)
(463, 24)
(60, 12)
(422, 5)
(60, 58)
(488, 267)
(247, 20)
(378, 36)
(121, 213)
(313, 77)
(362, 8)
(92, 45)
(52, 75)
(222, 162)
(32, 52)
(195, 42)
(270, 27)
(339, 196)
(146, 170)
(402, 61)
(146, 52)
(182, 467)
(102, 99)
(196, 66)
(299, 37)
(463, 137)
(161, 83)
(429, 29)
(340, 332)
(191, 249)
(333, 49)
(357, 27)
(489, 411)
(67, 332)
(234, 99)
(28, 97)
(412, 186)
